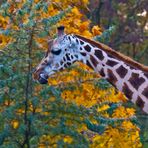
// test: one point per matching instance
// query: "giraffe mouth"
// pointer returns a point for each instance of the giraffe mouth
(43, 79)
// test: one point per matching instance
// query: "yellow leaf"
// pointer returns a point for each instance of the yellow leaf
(68, 139)
(103, 108)
(15, 124)
(96, 30)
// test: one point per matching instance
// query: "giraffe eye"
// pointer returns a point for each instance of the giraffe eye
(57, 52)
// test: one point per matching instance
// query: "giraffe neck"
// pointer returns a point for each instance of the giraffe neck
(132, 81)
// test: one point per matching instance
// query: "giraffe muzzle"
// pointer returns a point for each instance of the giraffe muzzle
(43, 79)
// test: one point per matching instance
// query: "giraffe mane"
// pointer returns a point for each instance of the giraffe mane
(116, 54)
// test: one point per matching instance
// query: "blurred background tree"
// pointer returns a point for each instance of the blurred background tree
(131, 20)
(80, 109)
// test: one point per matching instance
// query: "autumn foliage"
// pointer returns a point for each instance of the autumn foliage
(78, 107)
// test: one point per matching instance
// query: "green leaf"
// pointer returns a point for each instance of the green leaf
(43, 34)
(21, 12)
(103, 84)
(94, 127)
(31, 23)
(45, 7)
(106, 35)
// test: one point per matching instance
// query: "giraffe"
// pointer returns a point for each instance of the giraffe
(125, 74)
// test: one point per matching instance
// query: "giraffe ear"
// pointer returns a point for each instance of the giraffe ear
(60, 30)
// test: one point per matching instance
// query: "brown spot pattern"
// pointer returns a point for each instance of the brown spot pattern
(65, 65)
(145, 92)
(88, 64)
(81, 42)
(102, 72)
(94, 61)
(111, 63)
(110, 56)
(77, 41)
(83, 53)
(127, 91)
(87, 48)
(146, 74)
(61, 62)
(136, 81)
(132, 68)
(115, 54)
(122, 71)
(99, 54)
(111, 77)
(67, 57)
(140, 102)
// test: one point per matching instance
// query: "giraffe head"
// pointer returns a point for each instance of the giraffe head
(62, 52)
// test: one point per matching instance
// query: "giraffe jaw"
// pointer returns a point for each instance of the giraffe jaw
(50, 71)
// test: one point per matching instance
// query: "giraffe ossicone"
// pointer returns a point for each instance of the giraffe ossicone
(125, 74)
